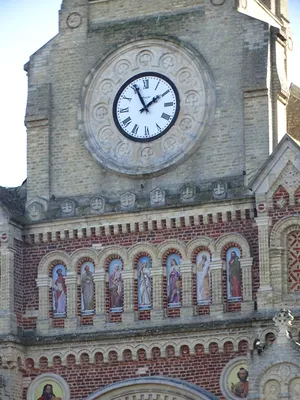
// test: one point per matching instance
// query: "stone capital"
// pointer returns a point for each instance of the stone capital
(216, 265)
(99, 276)
(246, 262)
(263, 221)
(43, 281)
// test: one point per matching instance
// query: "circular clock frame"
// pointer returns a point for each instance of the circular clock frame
(182, 66)
(148, 117)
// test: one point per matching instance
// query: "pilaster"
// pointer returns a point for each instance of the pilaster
(128, 311)
(100, 315)
(264, 295)
(186, 269)
(246, 265)
(71, 322)
(8, 320)
(44, 322)
(278, 279)
(157, 313)
(216, 307)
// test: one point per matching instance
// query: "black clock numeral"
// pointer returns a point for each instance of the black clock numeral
(157, 85)
(169, 104)
(126, 122)
(165, 116)
(135, 129)
(126, 98)
(158, 128)
(124, 110)
(166, 92)
(147, 132)
(146, 83)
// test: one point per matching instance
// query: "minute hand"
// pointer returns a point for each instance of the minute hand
(137, 90)
(154, 100)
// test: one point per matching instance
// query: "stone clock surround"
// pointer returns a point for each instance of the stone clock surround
(191, 76)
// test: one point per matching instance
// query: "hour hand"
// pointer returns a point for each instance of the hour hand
(154, 100)
(137, 90)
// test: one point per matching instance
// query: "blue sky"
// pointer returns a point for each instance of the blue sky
(25, 25)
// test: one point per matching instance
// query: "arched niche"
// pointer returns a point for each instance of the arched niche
(158, 387)
(57, 382)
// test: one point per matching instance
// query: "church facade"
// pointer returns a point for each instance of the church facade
(154, 250)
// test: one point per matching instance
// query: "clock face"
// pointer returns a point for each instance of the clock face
(146, 106)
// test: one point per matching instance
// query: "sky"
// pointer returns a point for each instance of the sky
(25, 26)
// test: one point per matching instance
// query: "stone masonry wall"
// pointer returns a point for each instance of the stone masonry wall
(194, 365)
(74, 53)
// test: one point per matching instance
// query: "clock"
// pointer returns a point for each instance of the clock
(146, 106)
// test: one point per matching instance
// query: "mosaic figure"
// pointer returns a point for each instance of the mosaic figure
(48, 393)
(144, 283)
(59, 291)
(116, 286)
(203, 278)
(87, 288)
(234, 274)
(174, 278)
(241, 388)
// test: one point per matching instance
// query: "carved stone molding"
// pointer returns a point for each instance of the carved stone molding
(194, 82)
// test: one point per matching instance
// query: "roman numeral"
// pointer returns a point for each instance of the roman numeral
(126, 122)
(157, 85)
(166, 92)
(158, 128)
(169, 104)
(123, 110)
(135, 129)
(146, 83)
(126, 98)
(165, 116)
(147, 132)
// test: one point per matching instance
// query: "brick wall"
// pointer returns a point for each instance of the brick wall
(201, 368)
(33, 253)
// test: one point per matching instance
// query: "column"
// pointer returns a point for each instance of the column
(216, 307)
(44, 322)
(264, 294)
(157, 312)
(100, 298)
(186, 269)
(246, 266)
(8, 320)
(71, 322)
(128, 316)
(279, 274)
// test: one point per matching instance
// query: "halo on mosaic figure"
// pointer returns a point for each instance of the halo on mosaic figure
(45, 383)
(234, 381)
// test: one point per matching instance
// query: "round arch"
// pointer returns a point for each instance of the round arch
(157, 386)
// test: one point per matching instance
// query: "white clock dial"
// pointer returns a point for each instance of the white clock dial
(146, 106)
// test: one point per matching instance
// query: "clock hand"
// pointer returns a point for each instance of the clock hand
(137, 90)
(154, 100)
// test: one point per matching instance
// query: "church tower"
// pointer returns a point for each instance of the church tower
(158, 231)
